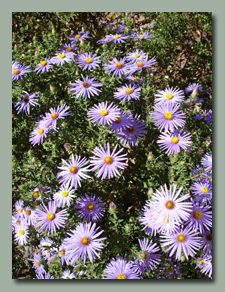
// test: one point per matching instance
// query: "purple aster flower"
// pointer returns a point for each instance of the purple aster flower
(106, 39)
(136, 56)
(200, 218)
(73, 171)
(174, 141)
(68, 275)
(24, 104)
(127, 92)
(49, 219)
(21, 233)
(170, 95)
(64, 196)
(107, 162)
(45, 243)
(139, 65)
(68, 49)
(16, 221)
(206, 242)
(40, 190)
(39, 268)
(56, 113)
(118, 38)
(45, 276)
(38, 134)
(192, 101)
(19, 210)
(183, 240)
(193, 87)
(18, 70)
(61, 58)
(206, 115)
(120, 269)
(168, 117)
(103, 114)
(205, 265)
(149, 220)
(88, 61)
(118, 67)
(123, 120)
(132, 133)
(142, 36)
(207, 162)
(80, 36)
(170, 207)
(62, 255)
(43, 66)
(86, 88)
(146, 259)
(83, 241)
(30, 216)
(135, 79)
(89, 208)
(202, 191)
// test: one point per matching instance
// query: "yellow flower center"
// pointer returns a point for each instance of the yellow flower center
(28, 212)
(67, 277)
(46, 244)
(69, 49)
(90, 207)
(54, 116)
(205, 115)
(37, 264)
(209, 237)
(22, 232)
(103, 112)
(86, 84)
(89, 60)
(130, 129)
(61, 56)
(198, 214)
(118, 120)
(193, 88)
(108, 160)
(43, 63)
(114, 27)
(50, 216)
(140, 64)
(168, 116)
(181, 238)
(141, 36)
(136, 78)
(77, 36)
(65, 194)
(119, 65)
(18, 222)
(136, 56)
(40, 131)
(117, 36)
(16, 71)
(201, 262)
(73, 169)
(205, 190)
(36, 195)
(62, 252)
(169, 96)
(121, 276)
(210, 179)
(85, 241)
(170, 205)
(129, 90)
(20, 210)
(143, 255)
(174, 140)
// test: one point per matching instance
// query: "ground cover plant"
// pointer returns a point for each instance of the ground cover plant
(112, 145)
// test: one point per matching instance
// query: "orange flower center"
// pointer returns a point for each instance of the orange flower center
(181, 238)
(69, 49)
(90, 207)
(16, 71)
(170, 205)
(28, 212)
(73, 169)
(118, 120)
(119, 65)
(18, 222)
(86, 84)
(85, 241)
(62, 252)
(205, 115)
(130, 129)
(140, 64)
(77, 36)
(108, 160)
(129, 90)
(36, 195)
(54, 116)
(198, 214)
(50, 216)
(37, 264)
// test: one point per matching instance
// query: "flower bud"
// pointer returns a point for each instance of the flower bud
(67, 146)
(200, 151)
(52, 88)
(150, 156)
(150, 191)
(112, 206)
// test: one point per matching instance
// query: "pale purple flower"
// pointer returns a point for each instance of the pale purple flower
(136, 56)
(205, 265)
(39, 268)
(139, 65)
(44, 65)
(56, 113)
(118, 38)
(80, 36)
(206, 242)
(118, 67)
(24, 104)
(170, 95)
(30, 216)
(38, 134)
(64, 196)
(142, 36)
(62, 58)
(19, 210)
(68, 275)
(202, 191)
(207, 162)
(127, 92)
(18, 70)
(45, 276)
(21, 233)
(123, 120)
(193, 87)
(87, 61)
(135, 79)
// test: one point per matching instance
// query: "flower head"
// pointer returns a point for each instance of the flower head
(118, 38)
(18, 70)
(38, 134)
(118, 67)
(39, 268)
(80, 36)
(56, 113)
(136, 56)
(127, 92)
(123, 120)
(207, 161)
(139, 65)
(24, 104)
(202, 191)
(21, 233)
(62, 58)
(87, 61)
(64, 196)
(68, 275)
(173, 95)
(44, 65)
(142, 36)
(193, 87)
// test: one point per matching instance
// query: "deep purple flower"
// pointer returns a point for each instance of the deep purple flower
(123, 120)
(193, 87)
(206, 115)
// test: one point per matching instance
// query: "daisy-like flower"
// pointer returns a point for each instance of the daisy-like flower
(40, 190)
(206, 115)
(139, 65)
(21, 233)
(146, 259)
(136, 56)
(127, 92)
(30, 216)
(45, 243)
(108, 163)
(183, 240)
(87, 61)
(16, 221)
(103, 114)
(130, 135)
(120, 269)
(61, 58)
(168, 117)
(193, 87)
(64, 196)
(173, 142)
(170, 95)
(206, 242)
(135, 79)
(206, 266)
(193, 101)
(142, 36)
(200, 218)
(44, 65)
(118, 38)
(80, 36)
(18, 70)
(39, 268)
(168, 206)
(202, 191)
(45, 276)
(68, 49)
(207, 162)
(83, 241)
(24, 104)
(68, 275)
(62, 255)
(49, 220)
(38, 134)
(118, 67)
(89, 208)
(56, 113)
(123, 120)
(106, 39)
(149, 220)
(19, 210)
(73, 171)
(86, 88)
